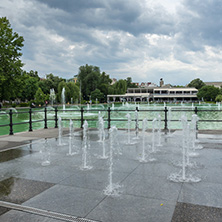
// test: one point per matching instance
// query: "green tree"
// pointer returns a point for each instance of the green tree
(67, 91)
(196, 83)
(73, 92)
(97, 94)
(40, 97)
(130, 84)
(30, 86)
(218, 98)
(10, 64)
(120, 87)
(88, 78)
(208, 93)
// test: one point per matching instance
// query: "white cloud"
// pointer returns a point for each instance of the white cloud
(146, 39)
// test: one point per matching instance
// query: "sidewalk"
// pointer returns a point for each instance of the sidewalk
(62, 191)
(18, 139)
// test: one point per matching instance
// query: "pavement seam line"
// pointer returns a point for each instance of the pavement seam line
(45, 213)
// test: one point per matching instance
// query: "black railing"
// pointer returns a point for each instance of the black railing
(109, 120)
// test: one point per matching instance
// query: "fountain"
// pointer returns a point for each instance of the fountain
(169, 120)
(102, 138)
(112, 189)
(153, 135)
(159, 130)
(145, 157)
(194, 133)
(137, 124)
(63, 99)
(128, 128)
(71, 132)
(85, 148)
(182, 176)
(52, 96)
(46, 153)
(60, 126)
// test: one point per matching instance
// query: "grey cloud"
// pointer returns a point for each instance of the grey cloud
(200, 23)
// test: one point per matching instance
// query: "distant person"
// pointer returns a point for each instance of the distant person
(0, 106)
(33, 105)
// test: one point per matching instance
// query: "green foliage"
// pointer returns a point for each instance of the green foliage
(208, 93)
(10, 64)
(218, 98)
(130, 84)
(97, 94)
(196, 83)
(29, 85)
(51, 82)
(40, 97)
(120, 87)
(71, 91)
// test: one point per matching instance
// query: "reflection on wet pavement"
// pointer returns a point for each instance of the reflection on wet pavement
(17, 190)
(13, 154)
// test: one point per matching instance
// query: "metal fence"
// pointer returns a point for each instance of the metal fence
(109, 120)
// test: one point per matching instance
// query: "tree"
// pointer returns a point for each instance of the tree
(73, 92)
(29, 85)
(208, 93)
(88, 78)
(130, 84)
(218, 98)
(10, 64)
(120, 87)
(40, 97)
(196, 83)
(97, 94)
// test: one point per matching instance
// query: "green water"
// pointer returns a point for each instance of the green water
(118, 114)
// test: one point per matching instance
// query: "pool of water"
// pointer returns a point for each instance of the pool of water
(118, 116)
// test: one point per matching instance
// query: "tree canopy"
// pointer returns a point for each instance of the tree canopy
(10, 64)
(208, 93)
(196, 83)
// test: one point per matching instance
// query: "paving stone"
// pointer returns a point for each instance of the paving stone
(185, 212)
(17, 190)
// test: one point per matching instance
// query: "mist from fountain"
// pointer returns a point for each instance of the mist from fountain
(154, 135)
(63, 99)
(46, 153)
(159, 130)
(85, 148)
(182, 176)
(71, 135)
(52, 96)
(112, 189)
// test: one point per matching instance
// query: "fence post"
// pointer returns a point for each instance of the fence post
(195, 111)
(82, 120)
(136, 122)
(45, 118)
(30, 120)
(109, 119)
(56, 117)
(165, 120)
(10, 123)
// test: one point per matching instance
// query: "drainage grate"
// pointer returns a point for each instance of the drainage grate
(45, 213)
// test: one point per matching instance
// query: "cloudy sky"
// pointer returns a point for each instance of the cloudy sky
(177, 40)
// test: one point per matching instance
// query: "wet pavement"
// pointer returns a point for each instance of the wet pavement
(62, 191)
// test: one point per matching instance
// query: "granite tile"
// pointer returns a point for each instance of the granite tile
(151, 186)
(93, 179)
(131, 208)
(185, 212)
(206, 194)
(68, 200)
(18, 190)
